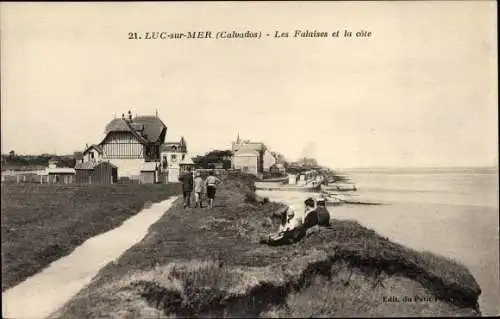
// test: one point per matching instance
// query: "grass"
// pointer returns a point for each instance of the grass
(41, 223)
(209, 263)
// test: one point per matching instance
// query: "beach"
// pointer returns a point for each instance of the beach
(452, 212)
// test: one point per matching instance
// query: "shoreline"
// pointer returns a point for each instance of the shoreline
(172, 271)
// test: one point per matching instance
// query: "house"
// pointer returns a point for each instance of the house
(92, 153)
(265, 159)
(129, 142)
(268, 161)
(172, 154)
(96, 173)
(246, 160)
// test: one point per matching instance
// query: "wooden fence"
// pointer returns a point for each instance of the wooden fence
(37, 179)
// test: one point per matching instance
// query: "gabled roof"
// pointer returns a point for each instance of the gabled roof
(98, 148)
(257, 146)
(246, 152)
(154, 128)
(148, 129)
(91, 165)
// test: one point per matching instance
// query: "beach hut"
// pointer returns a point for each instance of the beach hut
(101, 172)
(149, 173)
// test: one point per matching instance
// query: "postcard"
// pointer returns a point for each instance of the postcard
(249, 159)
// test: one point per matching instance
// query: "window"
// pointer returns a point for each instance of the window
(174, 158)
(183, 156)
(92, 155)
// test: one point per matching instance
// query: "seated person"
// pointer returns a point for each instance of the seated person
(295, 226)
(323, 213)
(292, 220)
(311, 218)
(289, 228)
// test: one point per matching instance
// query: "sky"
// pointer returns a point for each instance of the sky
(421, 91)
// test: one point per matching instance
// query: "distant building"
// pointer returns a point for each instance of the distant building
(92, 153)
(265, 159)
(246, 160)
(172, 154)
(268, 161)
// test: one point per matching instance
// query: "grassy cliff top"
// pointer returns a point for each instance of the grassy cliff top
(201, 262)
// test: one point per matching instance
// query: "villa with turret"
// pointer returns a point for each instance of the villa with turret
(136, 146)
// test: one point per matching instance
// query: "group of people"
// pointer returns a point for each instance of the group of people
(296, 224)
(194, 183)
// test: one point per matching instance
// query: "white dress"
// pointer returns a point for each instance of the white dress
(295, 221)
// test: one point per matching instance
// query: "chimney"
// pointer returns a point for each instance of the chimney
(123, 116)
(129, 115)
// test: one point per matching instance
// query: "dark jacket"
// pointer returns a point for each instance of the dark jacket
(187, 182)
(323, 216)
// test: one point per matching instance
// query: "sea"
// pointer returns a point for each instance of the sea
(453, 212)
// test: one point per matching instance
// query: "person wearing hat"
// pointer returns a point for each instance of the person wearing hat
(289, 229)
(198, 189)
(292, 219)
(322, 211)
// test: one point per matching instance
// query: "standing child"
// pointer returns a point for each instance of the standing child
(212, 181)
(198, 189)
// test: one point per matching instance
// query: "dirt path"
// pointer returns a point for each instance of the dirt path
(45, 292)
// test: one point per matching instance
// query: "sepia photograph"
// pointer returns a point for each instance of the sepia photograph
(230, 159)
